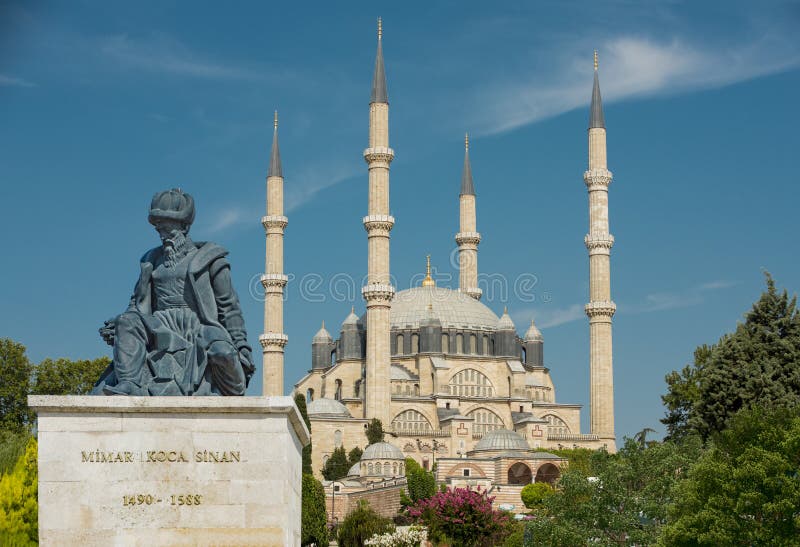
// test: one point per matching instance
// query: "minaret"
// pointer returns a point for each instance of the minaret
(274, 340)
(468, 236)
(600, 308)
(378, 292)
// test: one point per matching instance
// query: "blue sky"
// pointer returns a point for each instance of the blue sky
(105, 103)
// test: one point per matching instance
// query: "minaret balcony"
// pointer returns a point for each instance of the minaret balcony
(468, 238)
(274, 280)
(378, 223)
(273, 340)
(600, 311)
(597, 179)
(377, 293)
(382, 154)
(272, 223)
(599, 244)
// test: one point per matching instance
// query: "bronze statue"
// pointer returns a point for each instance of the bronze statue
(183, 332)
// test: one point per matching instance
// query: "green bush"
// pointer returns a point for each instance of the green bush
(314, 528)
(361, 524)
(12, 446)
(421, 483)
(534, 494)
(19, 511)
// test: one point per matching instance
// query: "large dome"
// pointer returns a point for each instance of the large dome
(453, 309)
(502, 439)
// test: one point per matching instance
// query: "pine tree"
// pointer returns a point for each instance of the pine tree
(756, 365)
(374, 431)
(314, 518)
(337, 465)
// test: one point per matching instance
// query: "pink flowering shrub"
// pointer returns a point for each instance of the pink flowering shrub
(461, 517)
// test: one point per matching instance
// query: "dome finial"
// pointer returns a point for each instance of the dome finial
(428, 281)
(323, 324)
(595, 59)
(352, 309)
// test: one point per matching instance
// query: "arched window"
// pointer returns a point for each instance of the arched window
(333, 357)
(408, 389)
(411, 420)
(416, 390)
(399, 344)
(337, 438)
(547, 473)
(519, 473)
(394, 469)
(370, 470)
(459, 343)
(357, 388)
(556, 426)
(471, 383)
(415, 343)
(485, 421)
(473, 344)
(338, 394)
(309, 395)
(446, 343)
(524, 356)
(485, 345)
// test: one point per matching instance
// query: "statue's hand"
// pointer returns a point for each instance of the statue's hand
(107, 331)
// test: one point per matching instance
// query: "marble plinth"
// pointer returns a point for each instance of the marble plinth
(169, 470)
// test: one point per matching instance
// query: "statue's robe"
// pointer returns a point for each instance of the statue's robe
(188, 349)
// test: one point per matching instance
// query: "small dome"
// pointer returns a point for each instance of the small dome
(355, 470)
(352, 319)
(505, 322)
(382, 451)
(502, 439)
(322, 335)
(327, 407)
(533, 334)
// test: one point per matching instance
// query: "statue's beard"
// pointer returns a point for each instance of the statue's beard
(175, 249)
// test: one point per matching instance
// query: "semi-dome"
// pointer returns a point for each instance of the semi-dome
(355, 470)
(502, 439)
(327, 407)
(382, 451)
(453, 309)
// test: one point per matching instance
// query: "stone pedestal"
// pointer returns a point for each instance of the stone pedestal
(169, 470)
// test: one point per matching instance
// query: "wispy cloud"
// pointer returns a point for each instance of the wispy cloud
(162, 53)
(9, 81)
(313, 179)
(547, 317)
(631, 66)
(229, 217)
(670, 300)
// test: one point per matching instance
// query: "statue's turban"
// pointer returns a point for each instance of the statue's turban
(172, 205)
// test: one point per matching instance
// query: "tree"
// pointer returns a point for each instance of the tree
(461, 517)
(756, 365)
(374, 431)
(66, 377)
(314, 529)
(421, 483)
(622, 502)
(337, 465)
(354, 456)
(361, 524)
(534, 494)
(745, 490)
(18, 507)
(15, 383)
(12, 446)
(300, 401)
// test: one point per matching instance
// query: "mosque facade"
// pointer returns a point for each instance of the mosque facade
(453, 383)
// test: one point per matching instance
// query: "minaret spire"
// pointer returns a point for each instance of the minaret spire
(468, 237)
(596, 118)
(273, 340)
(600, 308)
(275, 169)
(378, 292)
(379, 94)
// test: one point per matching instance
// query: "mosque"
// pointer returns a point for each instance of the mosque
(453, 384)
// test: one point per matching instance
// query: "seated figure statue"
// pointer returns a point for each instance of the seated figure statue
(183, 332)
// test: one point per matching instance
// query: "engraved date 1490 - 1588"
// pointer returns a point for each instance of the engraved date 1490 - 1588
(149, 499)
